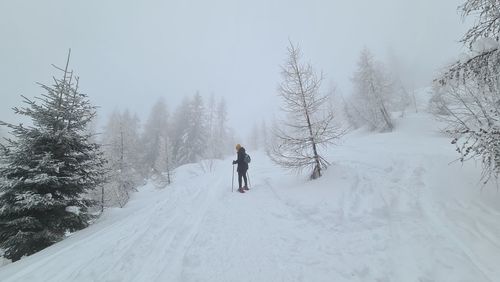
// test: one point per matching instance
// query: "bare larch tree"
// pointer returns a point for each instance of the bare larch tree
(309, 123)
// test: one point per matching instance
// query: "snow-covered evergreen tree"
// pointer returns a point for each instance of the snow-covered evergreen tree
(211, 151)
(369, 103)
(180, 121)
(47, 169)
(156, 128)
(216, 129)
(310, 122)
(131, 134)
(225, 140)
(196, 138)
(190, 131)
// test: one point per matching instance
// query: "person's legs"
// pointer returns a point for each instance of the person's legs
(245, 178)
(240, 175)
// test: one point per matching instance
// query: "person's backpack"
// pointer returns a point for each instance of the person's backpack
(247, 158)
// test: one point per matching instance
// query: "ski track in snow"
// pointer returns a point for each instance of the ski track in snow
(391, 208)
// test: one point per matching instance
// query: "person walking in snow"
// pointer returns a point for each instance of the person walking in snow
(242, 167)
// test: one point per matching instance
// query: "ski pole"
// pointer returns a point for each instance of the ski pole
(248, 176)
(232, 181)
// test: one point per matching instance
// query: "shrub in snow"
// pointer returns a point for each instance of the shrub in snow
(47, 169)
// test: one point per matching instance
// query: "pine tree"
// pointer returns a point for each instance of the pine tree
(156, 128)
(211, 138)
(196, 138)
(47, 169)
(224, 140)
(216, 129)
(180, 122)
(190, 131)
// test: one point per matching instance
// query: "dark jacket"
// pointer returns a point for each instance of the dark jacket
(242, 165)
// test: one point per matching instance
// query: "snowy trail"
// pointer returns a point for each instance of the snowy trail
(391, 208)
(136, 247)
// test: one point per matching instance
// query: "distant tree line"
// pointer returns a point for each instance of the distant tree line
(196, 130)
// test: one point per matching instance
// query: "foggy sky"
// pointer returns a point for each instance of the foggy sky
(130, 53)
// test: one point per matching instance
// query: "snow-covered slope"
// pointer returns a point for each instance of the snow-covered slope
(393, 207)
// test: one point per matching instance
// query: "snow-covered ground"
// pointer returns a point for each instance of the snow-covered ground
(393, 207)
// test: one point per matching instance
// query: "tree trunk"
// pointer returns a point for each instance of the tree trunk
(317, 169)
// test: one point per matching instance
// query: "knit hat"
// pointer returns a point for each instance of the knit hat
(238, 146)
